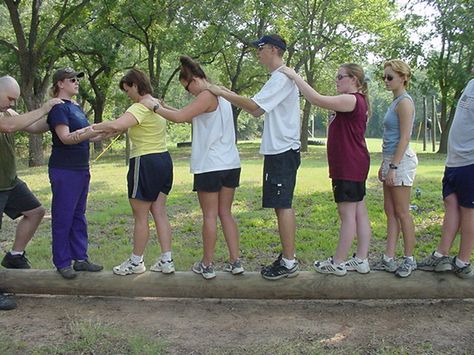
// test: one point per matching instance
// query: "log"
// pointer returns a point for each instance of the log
(308, 285)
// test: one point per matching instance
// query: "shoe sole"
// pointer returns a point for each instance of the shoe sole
(125, 273)
(161, 270)
(239, 272)
(289, 276)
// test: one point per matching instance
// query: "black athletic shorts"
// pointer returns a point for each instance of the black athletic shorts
(213, 181)
(279, 178)
(148, 175)
(348, 191)
(17, 200)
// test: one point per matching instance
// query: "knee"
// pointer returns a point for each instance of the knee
(402, 212)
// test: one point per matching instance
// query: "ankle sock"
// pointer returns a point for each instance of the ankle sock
(166, 256)
(14, 252)
(409, 257)
(289, 263)
(386, 258)
(460, 263)
(436, 254)
(136, 259)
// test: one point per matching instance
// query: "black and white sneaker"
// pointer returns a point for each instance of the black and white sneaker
(277, 270)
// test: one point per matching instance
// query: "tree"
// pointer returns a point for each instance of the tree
(38, 32)
(450, 66)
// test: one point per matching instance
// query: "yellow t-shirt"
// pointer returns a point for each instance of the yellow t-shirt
(149, 135)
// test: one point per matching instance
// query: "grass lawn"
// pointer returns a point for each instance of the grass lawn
(111, 222)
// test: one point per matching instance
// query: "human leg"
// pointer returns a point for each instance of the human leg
(287, 229)
(141, 231)
(209, 202)
(393, 224)
(347, 230)
(165, 263)
(401, 202)
(363, 230)
(229, 226)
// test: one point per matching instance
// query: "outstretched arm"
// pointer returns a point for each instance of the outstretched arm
(339, 103)
(16, 122)
(244, 103)
(204, 102)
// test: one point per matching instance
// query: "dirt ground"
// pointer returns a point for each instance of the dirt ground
(196, 326)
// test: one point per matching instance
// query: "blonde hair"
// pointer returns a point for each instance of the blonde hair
(401, 68)
(356, 71)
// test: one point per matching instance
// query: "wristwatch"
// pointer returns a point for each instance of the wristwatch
(392, 166)
(156, 107)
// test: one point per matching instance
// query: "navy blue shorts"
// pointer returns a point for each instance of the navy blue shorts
(148, 175)
(16, 201)
(279, 179)
(348, 191)
(213, 181)
(460, 181)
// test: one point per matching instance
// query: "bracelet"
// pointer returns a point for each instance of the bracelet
(392, 166)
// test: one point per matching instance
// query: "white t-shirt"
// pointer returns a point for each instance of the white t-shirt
(461, 134)
(213, 146)
(279, 98)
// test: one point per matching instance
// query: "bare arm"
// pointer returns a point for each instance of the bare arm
(204, 102)
(75, 137)
(244, 103)
(121, 124)
(16, 122)
(405, 110)
(339, 103)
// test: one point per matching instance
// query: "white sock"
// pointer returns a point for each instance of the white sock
(14, 252)
(288, 263)
(409, 257)
(460, 263)
(166, 256)
(437, 255)
(386, 258)
(136, 259)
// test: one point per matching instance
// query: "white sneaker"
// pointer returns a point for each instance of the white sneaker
(128, 268)
(166, 267)
(356, 264)
(328, 267)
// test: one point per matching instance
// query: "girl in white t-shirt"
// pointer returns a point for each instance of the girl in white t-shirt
(215, 162)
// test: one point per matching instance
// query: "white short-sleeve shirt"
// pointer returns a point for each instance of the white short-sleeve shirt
(279, 98)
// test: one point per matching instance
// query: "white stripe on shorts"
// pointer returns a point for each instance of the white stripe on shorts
(136, 176)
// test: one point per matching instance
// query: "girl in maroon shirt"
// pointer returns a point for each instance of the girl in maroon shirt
(349, 161)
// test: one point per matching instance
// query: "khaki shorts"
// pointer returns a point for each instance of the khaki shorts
(405, 174)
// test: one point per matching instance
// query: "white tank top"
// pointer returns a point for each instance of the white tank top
(213, 146)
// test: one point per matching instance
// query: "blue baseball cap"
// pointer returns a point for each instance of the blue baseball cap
(274, 40)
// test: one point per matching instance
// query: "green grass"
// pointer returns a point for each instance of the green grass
(111, 222)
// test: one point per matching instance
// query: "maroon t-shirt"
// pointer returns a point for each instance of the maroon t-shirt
(348, 157)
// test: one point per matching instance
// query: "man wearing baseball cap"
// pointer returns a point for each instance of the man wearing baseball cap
(16, 199)
(278, 101)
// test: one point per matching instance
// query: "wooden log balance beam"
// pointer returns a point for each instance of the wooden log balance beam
(308, 285)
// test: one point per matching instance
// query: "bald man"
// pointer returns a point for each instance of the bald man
(16, 200)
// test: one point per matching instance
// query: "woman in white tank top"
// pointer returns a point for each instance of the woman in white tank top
(215, 162)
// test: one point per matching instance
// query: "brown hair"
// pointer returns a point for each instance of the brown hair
(401, 68)
(356, 71)
(54, 90)
(139, 78)
(190, 69)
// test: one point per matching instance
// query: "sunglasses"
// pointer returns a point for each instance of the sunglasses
(342, 76)
(387, 77)
(73, 80)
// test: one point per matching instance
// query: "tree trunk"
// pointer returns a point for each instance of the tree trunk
(35, 147)
(304, 126)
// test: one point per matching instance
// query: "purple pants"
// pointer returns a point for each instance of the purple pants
(68, 212)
